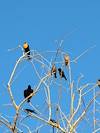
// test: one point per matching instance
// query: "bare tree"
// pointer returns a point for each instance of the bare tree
(63, 104)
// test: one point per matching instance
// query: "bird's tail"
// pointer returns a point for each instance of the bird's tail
(65, 78)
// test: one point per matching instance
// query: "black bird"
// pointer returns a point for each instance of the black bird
(52, 120)
(27, 92)
(30, 110)
(98, 82)
(54, 71)
(27, 49)
(61, 73)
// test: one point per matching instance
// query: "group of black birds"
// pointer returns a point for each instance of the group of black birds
(53, 70)
(61, 72)
(29, 90)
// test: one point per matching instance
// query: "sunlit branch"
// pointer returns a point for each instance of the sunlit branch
(85, 111)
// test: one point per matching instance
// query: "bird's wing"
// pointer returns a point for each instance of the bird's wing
(25, 93)
(32, 111)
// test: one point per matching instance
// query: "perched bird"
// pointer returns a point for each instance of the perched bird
(61, 73)
(27, 92)
(98, 82)
(54, 71)
(27, 49)
(54, 123)
(67, 60)
(30, 110)
(52, 120)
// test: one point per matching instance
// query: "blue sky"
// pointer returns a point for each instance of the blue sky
(40, 23)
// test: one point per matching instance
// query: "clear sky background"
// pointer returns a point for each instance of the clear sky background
(40, 23)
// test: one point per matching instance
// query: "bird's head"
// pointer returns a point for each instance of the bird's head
(29, 87)
(25, 45)
(59, 69)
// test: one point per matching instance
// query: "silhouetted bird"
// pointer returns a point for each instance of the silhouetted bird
(30, 110)
(98, 82)
(52, 120)
(54, 71)
(27, 92)
(61, 73)
(67, 60)
(27, 49)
